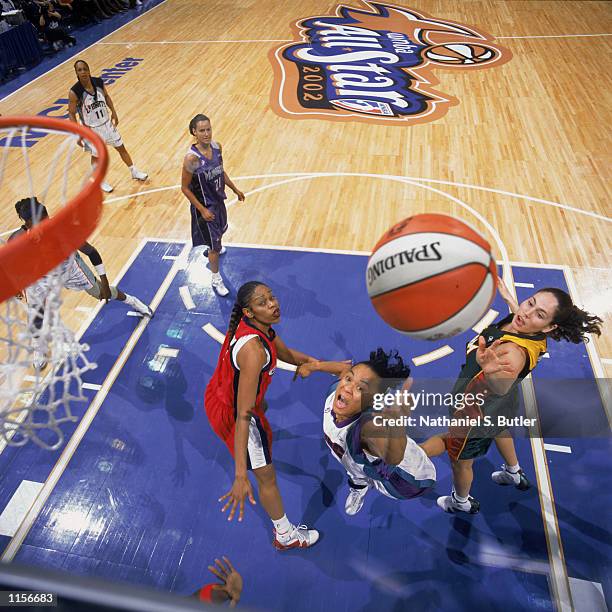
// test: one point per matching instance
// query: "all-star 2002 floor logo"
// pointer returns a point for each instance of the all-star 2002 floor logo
(375, 64)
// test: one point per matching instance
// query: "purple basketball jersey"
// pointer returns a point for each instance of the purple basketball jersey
(207, 182)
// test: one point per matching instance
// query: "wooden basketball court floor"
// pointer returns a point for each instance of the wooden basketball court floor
(523, 156)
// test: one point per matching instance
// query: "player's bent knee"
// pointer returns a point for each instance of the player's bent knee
(266, 476)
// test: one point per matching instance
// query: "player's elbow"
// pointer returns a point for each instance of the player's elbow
(244, 412)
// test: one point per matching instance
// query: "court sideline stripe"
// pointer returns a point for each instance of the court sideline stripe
(290, 40)
(72, 445)
(553, 36)
(281, 247)
(193, 42)
(559, 578)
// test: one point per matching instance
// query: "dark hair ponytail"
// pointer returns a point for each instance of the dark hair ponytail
(192, 124)
(245, 293)
(387, 365)
(572, 323)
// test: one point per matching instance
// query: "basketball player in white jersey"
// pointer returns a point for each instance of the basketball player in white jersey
(75, 274)
(89, 98)
(376, 455)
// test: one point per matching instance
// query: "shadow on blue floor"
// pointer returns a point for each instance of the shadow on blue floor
(138, 501)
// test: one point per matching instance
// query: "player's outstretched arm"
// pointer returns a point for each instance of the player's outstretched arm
(331, 367)
(501, 364)
(507, 296)
(385, 437)
(291, 355)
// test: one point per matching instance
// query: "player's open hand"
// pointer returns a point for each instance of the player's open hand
(235, 497)
(114, 119)
(495, 358)
(231, 579)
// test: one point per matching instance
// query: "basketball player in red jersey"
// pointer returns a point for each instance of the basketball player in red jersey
(234, 402)
(496, 362)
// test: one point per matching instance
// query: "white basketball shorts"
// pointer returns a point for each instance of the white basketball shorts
(109, 134)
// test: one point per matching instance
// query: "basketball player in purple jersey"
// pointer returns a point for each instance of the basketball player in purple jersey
(203, 182)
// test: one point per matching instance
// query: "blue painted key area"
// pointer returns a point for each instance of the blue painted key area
(138, 500)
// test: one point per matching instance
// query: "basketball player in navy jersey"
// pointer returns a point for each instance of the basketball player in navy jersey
(203, 182)
(76, 275)
(89, 98)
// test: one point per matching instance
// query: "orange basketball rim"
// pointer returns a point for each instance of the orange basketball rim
(32, 254)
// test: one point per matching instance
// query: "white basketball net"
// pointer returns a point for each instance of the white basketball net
(41, 360)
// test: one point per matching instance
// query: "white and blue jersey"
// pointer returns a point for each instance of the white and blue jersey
(410, 478)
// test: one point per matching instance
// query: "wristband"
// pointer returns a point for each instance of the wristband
(100, 269)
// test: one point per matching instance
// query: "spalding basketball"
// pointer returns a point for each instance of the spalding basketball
(431, 276)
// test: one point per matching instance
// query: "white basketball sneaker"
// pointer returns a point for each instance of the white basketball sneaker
(39, 357)
(450, 504)
(106, 187)
(138, 306)
(39, 361)
(139, 175)
(504, 477)
(354, 500)
(219, 286)
(299, 537)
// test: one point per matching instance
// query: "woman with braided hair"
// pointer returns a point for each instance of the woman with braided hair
(234, 402)
(497, 361)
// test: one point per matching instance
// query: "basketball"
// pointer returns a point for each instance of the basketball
(431, 276)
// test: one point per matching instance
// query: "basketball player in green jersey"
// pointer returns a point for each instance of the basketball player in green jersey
(496, 362)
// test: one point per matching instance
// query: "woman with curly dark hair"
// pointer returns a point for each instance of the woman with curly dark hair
(372, 445)
(496, 362)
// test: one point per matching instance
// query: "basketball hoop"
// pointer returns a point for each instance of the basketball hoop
(68, 229)
(37, 163)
